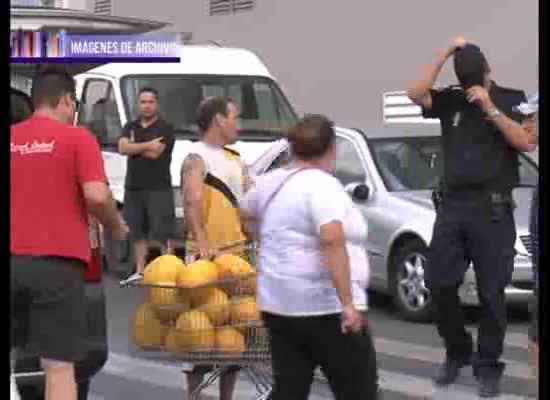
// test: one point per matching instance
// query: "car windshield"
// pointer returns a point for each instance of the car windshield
(264, 111)
(415, 163)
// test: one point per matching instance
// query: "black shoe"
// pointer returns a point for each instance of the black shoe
(488, 387)
(450, 371)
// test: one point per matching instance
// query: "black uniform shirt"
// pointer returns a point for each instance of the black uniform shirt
(144, 173)
(476, 154)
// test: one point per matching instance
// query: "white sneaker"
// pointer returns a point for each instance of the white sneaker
(134, 278)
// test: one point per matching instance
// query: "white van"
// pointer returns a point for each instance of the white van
(108, 97)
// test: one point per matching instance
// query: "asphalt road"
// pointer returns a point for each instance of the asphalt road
(408, 356)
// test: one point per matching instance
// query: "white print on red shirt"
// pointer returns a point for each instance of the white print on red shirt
(32, 148)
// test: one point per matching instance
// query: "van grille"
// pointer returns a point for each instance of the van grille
(527, 243)
(222, 7)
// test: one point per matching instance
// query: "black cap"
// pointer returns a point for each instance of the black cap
(470, 66)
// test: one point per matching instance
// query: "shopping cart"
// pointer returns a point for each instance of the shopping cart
(213, 324)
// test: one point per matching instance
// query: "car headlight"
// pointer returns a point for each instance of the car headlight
(520, 248)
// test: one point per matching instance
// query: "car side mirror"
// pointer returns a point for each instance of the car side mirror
(359, 192)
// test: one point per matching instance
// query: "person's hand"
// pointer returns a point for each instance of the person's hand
(480, 96)
(352, 320)
(204, 250)
(459, 42)
(120, 231)
(156, 145)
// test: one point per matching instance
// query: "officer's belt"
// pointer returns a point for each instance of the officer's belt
(498, 196)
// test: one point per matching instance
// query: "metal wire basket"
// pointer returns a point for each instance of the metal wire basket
(213, 323)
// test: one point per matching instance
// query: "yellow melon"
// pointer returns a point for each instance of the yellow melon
(167, 303)
(199, 273)
(232, 266)
(163, 270)
(147, 330)
(245, 286)
(171, 342)
(195, 332)
(229, 340)
(216, 306)
(245, 310)
(198, 297)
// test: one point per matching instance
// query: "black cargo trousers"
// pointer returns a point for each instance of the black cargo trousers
(478, 227)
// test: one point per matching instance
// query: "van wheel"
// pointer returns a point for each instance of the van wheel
(408, 288)
(118, 256)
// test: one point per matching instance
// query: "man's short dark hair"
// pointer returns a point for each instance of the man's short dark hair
(311, 137)
(50, 85)
(150, 90)
(209, 108)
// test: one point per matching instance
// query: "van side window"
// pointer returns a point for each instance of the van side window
(267, 106)
(99, 112)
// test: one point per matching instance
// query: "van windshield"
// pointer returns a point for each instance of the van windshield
(264, 111)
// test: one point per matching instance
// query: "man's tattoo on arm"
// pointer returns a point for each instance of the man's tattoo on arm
(192, 166)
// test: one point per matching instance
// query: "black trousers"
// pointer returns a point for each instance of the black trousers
(466, 228)
(301, 344)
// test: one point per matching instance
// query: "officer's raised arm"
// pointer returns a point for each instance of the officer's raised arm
(419, 90)
(515, 134)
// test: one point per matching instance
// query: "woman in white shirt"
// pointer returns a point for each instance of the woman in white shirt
(312, 271)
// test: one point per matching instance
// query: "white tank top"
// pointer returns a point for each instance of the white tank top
(221, 164)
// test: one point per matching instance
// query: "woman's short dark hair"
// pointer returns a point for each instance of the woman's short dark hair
(209, 108)
(311, 137)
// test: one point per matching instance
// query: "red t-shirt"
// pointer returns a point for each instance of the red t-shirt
(50, 161)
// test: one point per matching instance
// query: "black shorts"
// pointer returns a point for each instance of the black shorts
(150, 215)
(48, 306)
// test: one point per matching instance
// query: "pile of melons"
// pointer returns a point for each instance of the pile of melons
(205, 306)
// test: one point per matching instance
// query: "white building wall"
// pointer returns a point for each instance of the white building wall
(339, 57)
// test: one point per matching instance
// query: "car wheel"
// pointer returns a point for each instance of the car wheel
(118, 256)
(408, 288)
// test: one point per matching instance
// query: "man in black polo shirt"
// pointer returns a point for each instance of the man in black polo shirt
(481, 138)
(148, 199)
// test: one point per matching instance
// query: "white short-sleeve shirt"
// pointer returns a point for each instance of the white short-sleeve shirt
(293, 279)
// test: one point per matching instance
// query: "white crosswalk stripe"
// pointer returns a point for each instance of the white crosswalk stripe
(168, 374)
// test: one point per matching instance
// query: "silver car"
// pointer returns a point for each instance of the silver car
(390, 173)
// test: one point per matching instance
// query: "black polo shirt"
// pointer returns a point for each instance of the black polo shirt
(143, 173)
(476, 155)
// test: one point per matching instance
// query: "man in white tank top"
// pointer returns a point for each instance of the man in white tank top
(213, 180)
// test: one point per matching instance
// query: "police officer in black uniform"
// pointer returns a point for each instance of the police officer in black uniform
(481, 138)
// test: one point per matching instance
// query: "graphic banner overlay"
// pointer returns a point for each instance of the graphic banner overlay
(60, 47)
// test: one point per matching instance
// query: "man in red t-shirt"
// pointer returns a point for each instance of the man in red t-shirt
(57, 180)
